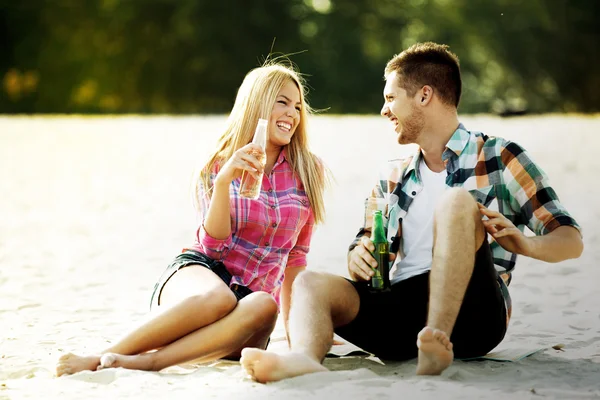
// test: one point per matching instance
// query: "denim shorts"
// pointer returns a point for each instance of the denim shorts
(191, 257)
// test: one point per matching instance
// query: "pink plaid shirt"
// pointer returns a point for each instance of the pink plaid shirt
(268, 235)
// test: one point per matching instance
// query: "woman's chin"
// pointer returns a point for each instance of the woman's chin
(281, 141)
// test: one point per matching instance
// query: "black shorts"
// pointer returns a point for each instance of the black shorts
(387, 323)
(191, 257)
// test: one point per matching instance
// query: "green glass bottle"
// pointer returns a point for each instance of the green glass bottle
(381, 280)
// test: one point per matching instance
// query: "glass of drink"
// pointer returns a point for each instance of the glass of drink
(250, 186)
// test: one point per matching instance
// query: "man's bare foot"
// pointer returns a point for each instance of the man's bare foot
(142, 362)
(265, 366)
(71, 363)
(435, 352)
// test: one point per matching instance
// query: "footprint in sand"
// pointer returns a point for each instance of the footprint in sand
(104, 376)
(529, 309)
(577, 328)
(566, 271)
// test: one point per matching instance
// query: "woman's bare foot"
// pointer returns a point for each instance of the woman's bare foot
(265, 366)
(435, 352)
(71, 363)
(142, 362)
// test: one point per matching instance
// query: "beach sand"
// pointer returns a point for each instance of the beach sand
(93, 209)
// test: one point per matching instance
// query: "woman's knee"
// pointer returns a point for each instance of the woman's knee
(264, 309)
(218, 301)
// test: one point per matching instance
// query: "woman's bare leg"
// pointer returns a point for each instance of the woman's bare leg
(193, 298)
(248, 325)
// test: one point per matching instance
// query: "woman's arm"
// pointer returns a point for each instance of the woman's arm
(217, 221)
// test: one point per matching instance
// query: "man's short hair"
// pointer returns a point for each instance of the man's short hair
(428, 64)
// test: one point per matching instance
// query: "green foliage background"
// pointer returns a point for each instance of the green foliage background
(189, 56)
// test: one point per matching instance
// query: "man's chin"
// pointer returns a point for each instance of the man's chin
(401, 139)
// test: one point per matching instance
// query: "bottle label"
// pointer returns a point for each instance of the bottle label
(380, 281)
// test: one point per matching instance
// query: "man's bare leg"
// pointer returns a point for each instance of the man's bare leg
(320, 302)
(250, 324)
(458, 233)
(191, 289)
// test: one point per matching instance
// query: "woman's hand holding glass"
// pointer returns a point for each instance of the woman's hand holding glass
(241, 160)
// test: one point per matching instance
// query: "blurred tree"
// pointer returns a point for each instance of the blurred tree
(189, 56)
(20, 39)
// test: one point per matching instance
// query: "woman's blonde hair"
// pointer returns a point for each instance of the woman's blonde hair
(255, 99)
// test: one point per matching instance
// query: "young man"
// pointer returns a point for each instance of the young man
(456, 211)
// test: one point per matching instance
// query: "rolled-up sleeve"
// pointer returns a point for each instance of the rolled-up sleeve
(533, 198)
(377, 200)
(216, 249)
(297, 257)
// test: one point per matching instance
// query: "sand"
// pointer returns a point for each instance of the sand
(92, 210)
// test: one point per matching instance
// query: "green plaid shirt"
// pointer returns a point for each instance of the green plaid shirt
(498, 173)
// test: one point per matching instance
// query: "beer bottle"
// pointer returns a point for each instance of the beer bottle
(381, 280)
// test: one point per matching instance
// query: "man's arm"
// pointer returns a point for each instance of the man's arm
(558, 236)
(361, 261)
(561, 244)
(358, 268)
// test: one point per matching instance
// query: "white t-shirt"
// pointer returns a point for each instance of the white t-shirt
(417, 226)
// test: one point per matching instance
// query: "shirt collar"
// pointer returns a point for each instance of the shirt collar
(414, 162)
(457, 143)
(281, 158)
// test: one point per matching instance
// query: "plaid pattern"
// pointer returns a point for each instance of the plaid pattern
(498, 173)
(267, 235)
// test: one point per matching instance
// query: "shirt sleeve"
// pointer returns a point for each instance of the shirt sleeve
(378, 200)
(375, 201)
(297, 257)
(216, 249)
(532, 197)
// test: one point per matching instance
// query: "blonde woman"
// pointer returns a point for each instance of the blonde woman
(224, 293)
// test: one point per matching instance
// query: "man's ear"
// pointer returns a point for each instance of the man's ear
(426, 95)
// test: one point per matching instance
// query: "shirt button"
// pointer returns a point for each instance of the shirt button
(267, 244)
(270, 190)
(414, 193)
(274, 225)
(273, 207)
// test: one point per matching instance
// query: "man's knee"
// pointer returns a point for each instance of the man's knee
(456, 201)
(327, 290)
(456, 205)
(309, 282)
(457, 209)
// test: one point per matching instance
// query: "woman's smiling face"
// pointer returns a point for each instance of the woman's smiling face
(285, 116)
